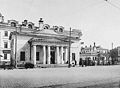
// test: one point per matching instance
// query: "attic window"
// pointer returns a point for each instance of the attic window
(55, 28)
(13, 24)
(30, 26)
(24, 23)
(46, 27)
(60, 30)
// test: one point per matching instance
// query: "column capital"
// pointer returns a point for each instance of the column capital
(34, 45)
(43, 45)
(57, 45)
(48, 45)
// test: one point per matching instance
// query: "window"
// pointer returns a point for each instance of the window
(22, 56)
(5, 44)
(61, 30)
(37, 56)
(13, 24)
(30, 26)
(5, 56)
(6, 33)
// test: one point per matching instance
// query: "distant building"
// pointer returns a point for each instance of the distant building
(94, 53)
(43, 44)
(118, 48)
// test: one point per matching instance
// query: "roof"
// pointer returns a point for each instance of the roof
(48, 33)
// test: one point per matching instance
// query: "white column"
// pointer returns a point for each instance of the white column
(62, 55)
(44, 54)
(34, 55)
(48, 54)
(66, 54)
(58, 57)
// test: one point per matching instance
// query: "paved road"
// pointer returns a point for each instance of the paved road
(67, 77)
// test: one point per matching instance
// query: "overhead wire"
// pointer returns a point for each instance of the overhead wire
(116, 2)
(93, 4)
(112, 4)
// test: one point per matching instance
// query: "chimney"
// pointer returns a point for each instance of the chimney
(41, 23)
(24, 23)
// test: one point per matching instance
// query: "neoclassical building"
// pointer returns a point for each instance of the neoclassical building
(43, 44)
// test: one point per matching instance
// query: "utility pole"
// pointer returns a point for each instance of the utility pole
(16, 48)
(69, 48)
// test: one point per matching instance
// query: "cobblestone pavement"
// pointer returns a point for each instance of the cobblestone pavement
(75, 77)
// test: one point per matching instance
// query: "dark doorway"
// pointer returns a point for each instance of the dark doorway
(22, 56)
(37, 56)
(73, 56)
(52, 57)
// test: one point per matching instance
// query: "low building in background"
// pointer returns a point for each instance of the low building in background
(118, 53)
(96, 55)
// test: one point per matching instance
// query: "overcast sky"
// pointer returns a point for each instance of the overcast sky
(98, 20)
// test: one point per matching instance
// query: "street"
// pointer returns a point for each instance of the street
(73, 77)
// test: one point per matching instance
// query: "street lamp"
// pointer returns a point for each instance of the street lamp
(69, 48)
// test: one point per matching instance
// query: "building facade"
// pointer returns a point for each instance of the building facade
(43, 44)
(95, 54)
(5, 29)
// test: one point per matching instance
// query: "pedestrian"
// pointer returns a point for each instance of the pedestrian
(80, 62)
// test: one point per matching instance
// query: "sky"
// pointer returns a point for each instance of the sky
(98, 20)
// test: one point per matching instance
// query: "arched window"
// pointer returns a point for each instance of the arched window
(30, 26)
(13, 24)
(55, 28)
(60, 30)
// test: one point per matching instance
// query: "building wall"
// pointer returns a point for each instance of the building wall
(77, 55)
(23, 45)
(40, 50)
(3, 39)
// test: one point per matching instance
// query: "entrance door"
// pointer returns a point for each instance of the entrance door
(22, 56)
(37, 56)
(52, 57)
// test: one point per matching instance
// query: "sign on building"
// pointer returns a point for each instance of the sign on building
(6, 51)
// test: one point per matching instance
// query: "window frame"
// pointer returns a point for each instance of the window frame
(5, 44)
(5, 56)
(6, 33)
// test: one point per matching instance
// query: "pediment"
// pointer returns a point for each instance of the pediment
(47, 31)
(48, 40)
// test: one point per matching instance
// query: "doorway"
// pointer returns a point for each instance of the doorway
(52, 53)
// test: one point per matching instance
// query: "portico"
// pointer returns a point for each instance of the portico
(49, 53)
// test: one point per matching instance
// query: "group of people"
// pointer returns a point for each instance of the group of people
(86, 62)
